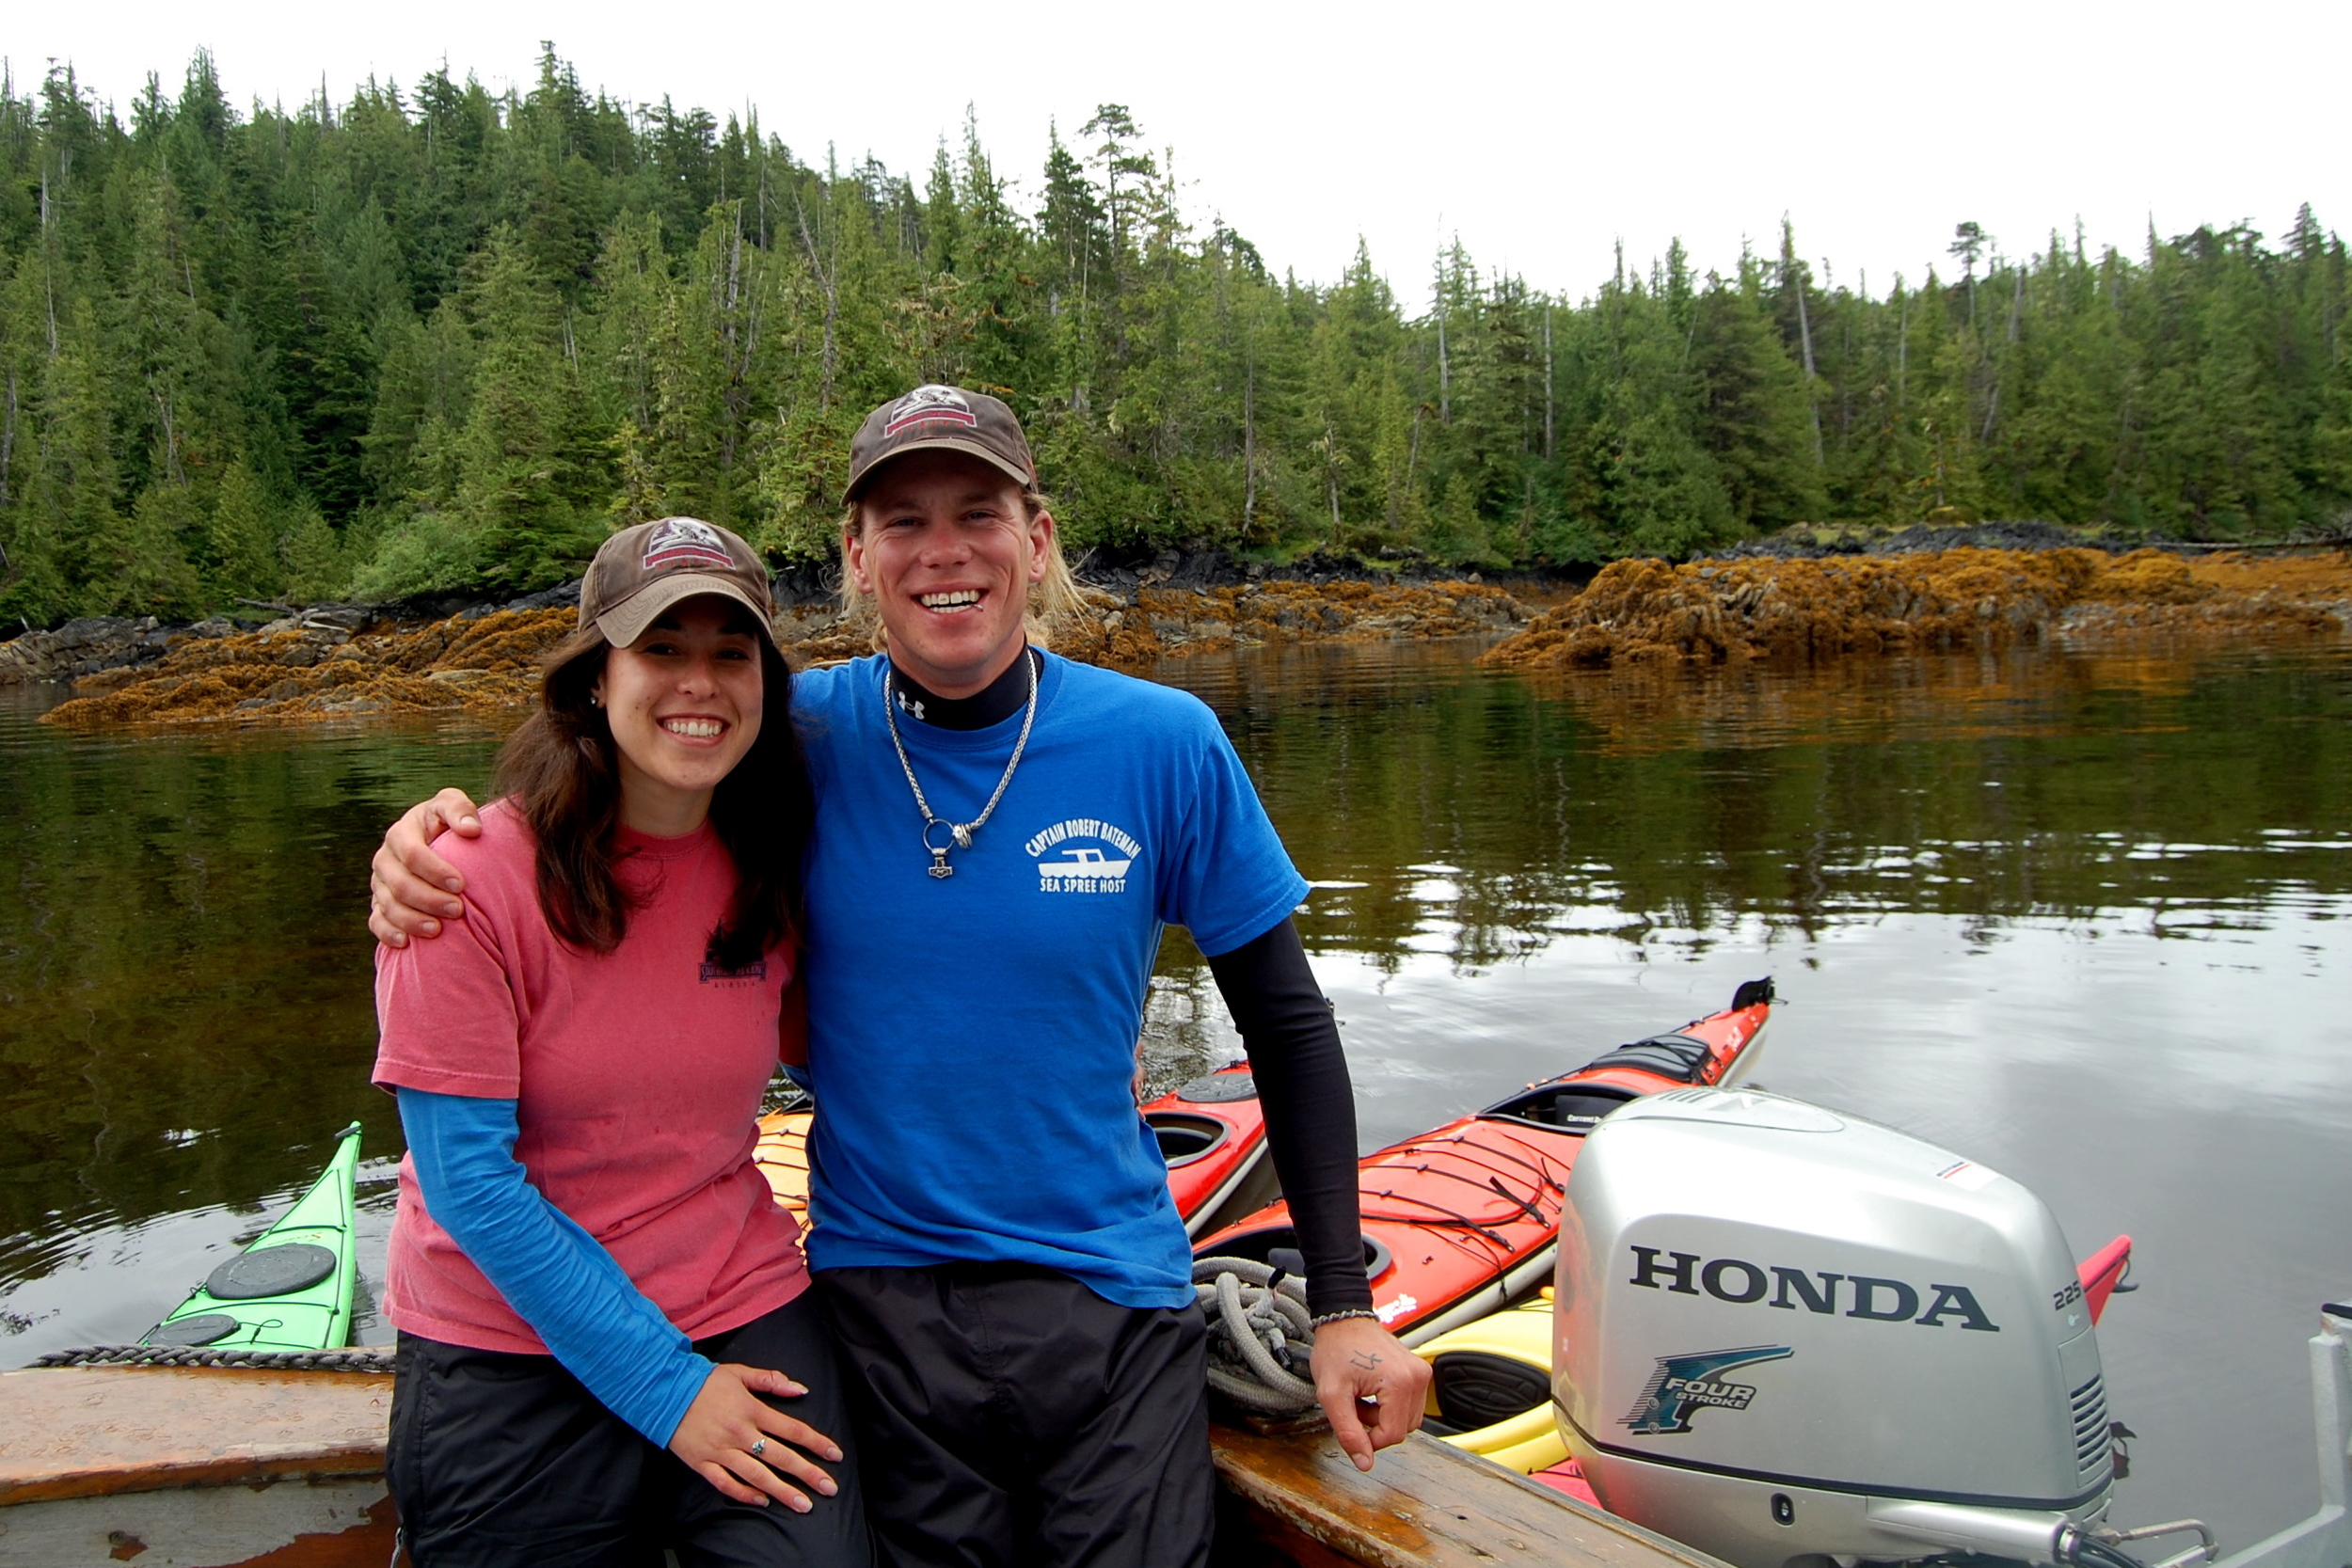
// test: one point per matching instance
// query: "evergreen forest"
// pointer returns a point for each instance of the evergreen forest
(438, 339)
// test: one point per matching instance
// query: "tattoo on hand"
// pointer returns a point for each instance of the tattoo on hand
(1364, 1360)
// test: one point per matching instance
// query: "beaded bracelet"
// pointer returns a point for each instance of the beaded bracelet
(1341, 1317)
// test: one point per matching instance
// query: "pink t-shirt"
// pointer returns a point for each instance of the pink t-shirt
(637, 1074)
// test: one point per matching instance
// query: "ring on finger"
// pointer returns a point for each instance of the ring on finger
(758, 1448)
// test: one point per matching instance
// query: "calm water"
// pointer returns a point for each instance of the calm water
(2086, 920)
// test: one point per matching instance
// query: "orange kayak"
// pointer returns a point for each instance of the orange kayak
(1211, 1132)
(1465, 1219)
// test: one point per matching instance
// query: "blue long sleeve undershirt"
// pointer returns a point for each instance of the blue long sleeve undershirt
(553, 1274)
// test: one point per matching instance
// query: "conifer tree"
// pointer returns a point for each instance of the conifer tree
(241, 545)
(1754, 413)
(75, 491)
(313, 558)
(139, 564)
(525, 467)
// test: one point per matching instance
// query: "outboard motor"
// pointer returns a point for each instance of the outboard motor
(1785, 1333)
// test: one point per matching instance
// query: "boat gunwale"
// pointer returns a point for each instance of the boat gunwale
(345, 1447)
(1304, 1482)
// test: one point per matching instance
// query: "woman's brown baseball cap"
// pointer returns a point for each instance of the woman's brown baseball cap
(643, 570)
(947, 417)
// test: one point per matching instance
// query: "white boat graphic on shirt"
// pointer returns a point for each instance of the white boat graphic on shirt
(1087, 864)
(1088, 869)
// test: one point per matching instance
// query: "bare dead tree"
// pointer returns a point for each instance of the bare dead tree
(1445, 396)
(1248, 438)
(1548, 385)
(828, 280)
(7, 438)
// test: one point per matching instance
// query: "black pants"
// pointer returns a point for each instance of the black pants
(1010, 1418)
(498, 1459)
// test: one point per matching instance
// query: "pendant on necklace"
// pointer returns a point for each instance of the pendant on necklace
(960, 838)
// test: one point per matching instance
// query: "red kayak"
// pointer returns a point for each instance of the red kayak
(1211, 1132)
(1464, 1220)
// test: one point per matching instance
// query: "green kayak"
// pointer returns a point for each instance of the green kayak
(291, 1290)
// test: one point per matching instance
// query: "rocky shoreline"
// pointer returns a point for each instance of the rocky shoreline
(1813, 608)
(344, 661)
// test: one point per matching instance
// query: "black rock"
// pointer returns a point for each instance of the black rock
(1922, 538)
(91, 629)
(563, 593)
(798, 582)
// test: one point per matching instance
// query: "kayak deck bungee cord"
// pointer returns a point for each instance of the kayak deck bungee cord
(1463, 1220)
(782, 1156)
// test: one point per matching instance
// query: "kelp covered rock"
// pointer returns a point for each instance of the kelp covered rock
(1158, 622)
(1711, 611)
(322, 672)
(303, 669)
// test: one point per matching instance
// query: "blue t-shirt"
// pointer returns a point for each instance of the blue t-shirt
(971, 1038)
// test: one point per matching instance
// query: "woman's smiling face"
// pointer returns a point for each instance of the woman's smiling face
(685, 703)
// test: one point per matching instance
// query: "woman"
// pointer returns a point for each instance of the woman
(586, 1270)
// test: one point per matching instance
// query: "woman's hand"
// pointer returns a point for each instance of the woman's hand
(1356, 1362)
(737, 1441)
(412, 890)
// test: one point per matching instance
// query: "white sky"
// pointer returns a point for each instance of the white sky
(1541, 135)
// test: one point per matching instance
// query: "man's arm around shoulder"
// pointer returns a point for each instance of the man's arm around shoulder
(411, 889)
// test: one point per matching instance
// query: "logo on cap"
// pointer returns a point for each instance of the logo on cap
(684, 542)
(927, 405)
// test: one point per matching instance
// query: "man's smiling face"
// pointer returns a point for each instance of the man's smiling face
(947, 548)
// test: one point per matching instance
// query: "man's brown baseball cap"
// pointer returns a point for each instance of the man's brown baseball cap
(944, 418)
(643, 570)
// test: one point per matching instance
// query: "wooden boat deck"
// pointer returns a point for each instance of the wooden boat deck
(83, 1431)
(170, 1466)
(1425, 1505)
(173, 1466)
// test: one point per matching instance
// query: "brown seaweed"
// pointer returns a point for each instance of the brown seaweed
(1715, 612)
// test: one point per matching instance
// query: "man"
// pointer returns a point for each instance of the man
(1001, 836)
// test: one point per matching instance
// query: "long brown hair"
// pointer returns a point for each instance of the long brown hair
(561, 770)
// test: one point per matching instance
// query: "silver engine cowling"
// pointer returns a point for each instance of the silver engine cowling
(1783, 1333)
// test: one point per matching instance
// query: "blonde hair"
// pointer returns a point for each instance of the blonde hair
(1054, 598)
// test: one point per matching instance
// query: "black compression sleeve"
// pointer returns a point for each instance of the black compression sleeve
(1295, 1053)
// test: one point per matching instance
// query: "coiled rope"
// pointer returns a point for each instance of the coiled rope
(1260, 1334)
(357, 1359)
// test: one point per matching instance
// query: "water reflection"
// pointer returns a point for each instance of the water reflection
(2084, 918)
(1489, 815)
(185, 1016)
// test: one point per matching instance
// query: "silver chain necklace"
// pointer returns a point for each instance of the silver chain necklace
(960, 834)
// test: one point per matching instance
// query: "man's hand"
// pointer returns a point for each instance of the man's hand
(1359, 1364)
(412, 890)
(737, 1441)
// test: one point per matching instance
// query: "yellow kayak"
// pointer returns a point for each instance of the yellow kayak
(1490, 1388)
